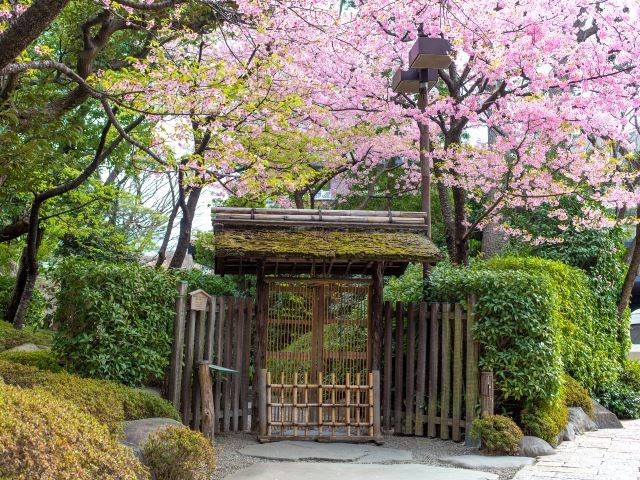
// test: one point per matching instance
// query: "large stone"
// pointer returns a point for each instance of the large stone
(535, 447)
(350, 471)
(569, 433)
(488, 462)
(28, 347)
(581, 421)
(334, 452)
(136, 432)
(605, 418)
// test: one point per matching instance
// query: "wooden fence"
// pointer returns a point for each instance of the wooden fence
(430, 378)
(218, 331)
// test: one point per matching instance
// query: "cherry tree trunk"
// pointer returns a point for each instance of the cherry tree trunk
(186, 223)
(632, 271)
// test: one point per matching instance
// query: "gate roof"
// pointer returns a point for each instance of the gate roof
(319, 242)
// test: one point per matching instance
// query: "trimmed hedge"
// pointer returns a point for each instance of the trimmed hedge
(497, 433)
(10, 337)
(41, 359)
(545, 420)
(109, 402)
(45, 438)
(575, 395)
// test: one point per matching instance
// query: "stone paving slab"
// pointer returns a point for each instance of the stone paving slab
(334, 452)
(351, 471)
(488, 462)
(612, 454)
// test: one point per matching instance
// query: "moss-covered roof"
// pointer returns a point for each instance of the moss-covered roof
(326, 244)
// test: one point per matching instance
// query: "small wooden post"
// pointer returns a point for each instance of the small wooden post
(262, 403)
(471, 392)
(206, 394)
(421, 368)
(486, 393)
(388, 365)
(187, 375)
(399, 385)
(175, 369)
(262, 304)
(375, 377)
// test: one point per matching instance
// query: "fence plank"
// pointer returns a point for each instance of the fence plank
(399, 376)
(434, 357)
(210, 330)
(238, 344)
(471, 391)
(421, 372)
(244, 394)
(388, 365)
(187, 373)
(445, 397)
(219, 348)
(410, 367)
(175, 369)
(456, 411)
(230, 306)
(198, 353)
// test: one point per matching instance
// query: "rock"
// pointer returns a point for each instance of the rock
(569, 433)
(535, 447)
(605, 418)
(136, 432)
(28, 347)
(488, 462)
(581, 421)
(336, 452)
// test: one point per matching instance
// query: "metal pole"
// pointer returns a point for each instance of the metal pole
(425, 170)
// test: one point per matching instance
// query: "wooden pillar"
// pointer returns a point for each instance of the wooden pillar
(175, 368)
(377, 305)
(486, 393)
(206, 393)
(262, 303)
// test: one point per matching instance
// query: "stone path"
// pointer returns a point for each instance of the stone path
(602, 455)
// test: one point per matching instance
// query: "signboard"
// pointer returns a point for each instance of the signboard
(199, 300)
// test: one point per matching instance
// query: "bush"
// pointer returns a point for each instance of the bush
(109, 402)
(620, 399)
(575, 395)
(10, 337)
(497, 433)
(545, 421)
(37, 307)
(41, 359)
(116, 320)
(46, 438)
(177, 453)
(630, 375)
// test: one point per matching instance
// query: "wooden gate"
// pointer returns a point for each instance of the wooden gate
(317, 381)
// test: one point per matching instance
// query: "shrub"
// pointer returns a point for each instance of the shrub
(46, 438)
(620, 399)
(630, 375)
(575, 395)
(10, 337)
(37, 307)
(177, 453)
(109, 402)
(116, 320)
(41, 359)
(545, 421)
(497, 433)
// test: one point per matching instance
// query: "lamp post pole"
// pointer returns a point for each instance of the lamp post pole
(425, 167)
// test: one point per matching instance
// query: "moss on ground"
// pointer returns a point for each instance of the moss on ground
(10, 337)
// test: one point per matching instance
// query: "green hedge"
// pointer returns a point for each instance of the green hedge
(10, 337)
(41, 359)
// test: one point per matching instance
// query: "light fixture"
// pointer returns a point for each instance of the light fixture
(408, 81)
(430, 52)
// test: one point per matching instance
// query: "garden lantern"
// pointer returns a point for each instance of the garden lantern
(430, 52)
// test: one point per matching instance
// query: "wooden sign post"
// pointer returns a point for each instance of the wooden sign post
(199, 300)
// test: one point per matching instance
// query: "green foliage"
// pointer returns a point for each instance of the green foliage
(621, 399)
(212, 284)
(514, 327)
(545, 421)
(203, 241)
(109, 402)
(497, 433)
(36, 309)
(407, 287)
(10, 337)
(630, 375)
(116, 320)
(575, 395)
(177, 453)
(42, 436)
(41, 359)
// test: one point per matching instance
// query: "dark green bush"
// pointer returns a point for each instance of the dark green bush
(41, 359)
(630, 375)
(177, 453)
(10, 337)
(545, 421)
(575, 395)
(620, 399)
(497, 433)
(115, 320)
(109, 402)
(37, 307)
(212, 284)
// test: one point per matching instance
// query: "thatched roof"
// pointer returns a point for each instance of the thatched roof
(318, 242)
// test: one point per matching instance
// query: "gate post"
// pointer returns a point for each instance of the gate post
(377, 435)
(262, 404)
(486, 393)
(175, 369)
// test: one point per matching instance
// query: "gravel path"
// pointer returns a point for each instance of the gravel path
(424, 450)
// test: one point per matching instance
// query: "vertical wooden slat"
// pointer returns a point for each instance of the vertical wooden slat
(410, 368)
(238, 338)
(399, 376)
(198, 354)
(204, 376)
(219, 359)
(187, 374)
(246, 367)
(388, 366)
(434, 357)
(375, 378)
(421, 371)
(210, 329)
(175, 368)
(376, 316)
(228, 356)
(445, 397)
(348, 403)
(262, 302)
(295, 404)
(471, 390)
(456, 411)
